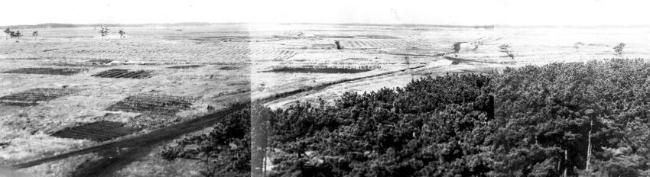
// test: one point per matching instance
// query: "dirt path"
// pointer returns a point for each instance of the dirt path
(121, 153)
(152, 137)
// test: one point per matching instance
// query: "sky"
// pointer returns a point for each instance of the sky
(440, 12)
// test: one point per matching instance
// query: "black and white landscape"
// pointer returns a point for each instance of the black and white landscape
(468, 88)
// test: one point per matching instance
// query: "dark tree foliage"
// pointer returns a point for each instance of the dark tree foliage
(531, 121)
(225, 150)
(550, 109)
(432, 127)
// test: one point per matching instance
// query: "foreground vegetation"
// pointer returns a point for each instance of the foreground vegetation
(569, 118)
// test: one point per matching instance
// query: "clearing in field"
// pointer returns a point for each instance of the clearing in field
(96, 131)
(50, 71)
(124, 73)
(159, 104)
(34, 96)
(322, 69)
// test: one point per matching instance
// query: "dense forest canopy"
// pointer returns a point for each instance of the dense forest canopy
(562, 118)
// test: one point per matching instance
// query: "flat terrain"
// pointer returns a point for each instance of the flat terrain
(161, 78)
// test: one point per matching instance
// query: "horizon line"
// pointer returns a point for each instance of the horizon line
(73, 25)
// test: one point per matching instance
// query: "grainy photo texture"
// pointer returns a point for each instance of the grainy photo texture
(502, 88)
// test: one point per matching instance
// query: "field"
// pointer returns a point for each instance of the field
(57, 88)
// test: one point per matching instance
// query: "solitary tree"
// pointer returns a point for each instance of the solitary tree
(619, 49)
(338, 45)
(104, 31)
(7, 32)
(122, 34)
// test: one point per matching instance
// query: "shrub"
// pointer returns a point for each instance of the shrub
(618, 49)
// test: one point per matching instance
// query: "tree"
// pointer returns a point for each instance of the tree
(104, 31)
(7, 32)
(122, 33)
(618, 49)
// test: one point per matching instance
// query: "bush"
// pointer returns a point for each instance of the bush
(224, 151)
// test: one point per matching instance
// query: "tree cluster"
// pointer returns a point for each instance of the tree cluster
(560, 119)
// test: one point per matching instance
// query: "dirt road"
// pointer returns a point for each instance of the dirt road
(120, 153)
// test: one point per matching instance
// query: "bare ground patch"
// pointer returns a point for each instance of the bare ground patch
(184, 66)
(96, 131)
(35, 96)
(124, 73)
(159, 104)
(50, 71)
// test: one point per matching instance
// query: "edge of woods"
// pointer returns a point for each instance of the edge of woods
(179, 129)
(559, 119)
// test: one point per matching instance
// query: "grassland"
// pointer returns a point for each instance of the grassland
(143, 81)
